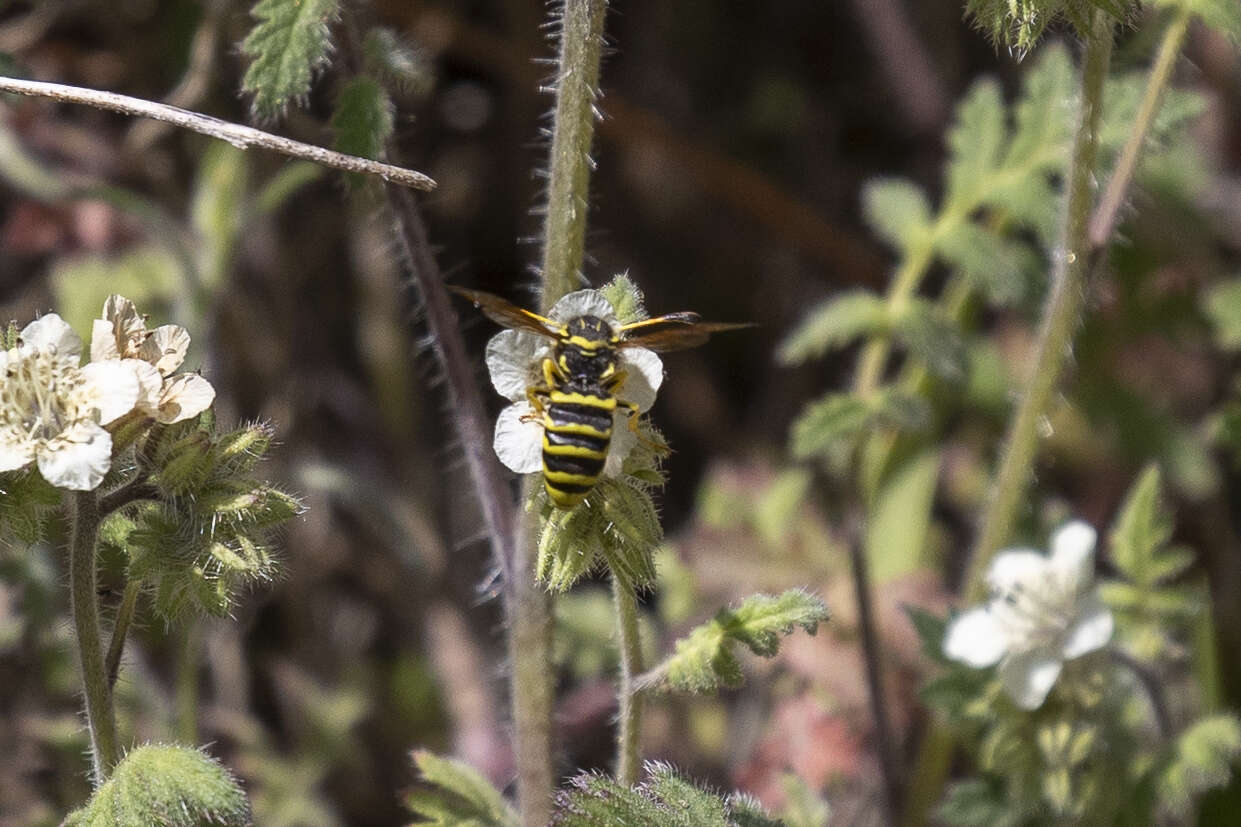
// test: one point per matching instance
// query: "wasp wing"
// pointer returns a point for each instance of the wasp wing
(504, 312)
(676, 331)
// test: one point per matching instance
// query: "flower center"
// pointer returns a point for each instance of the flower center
(39, 398)
(1035, 617)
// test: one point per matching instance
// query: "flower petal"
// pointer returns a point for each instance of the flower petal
(514, 361)
(103, 341)
(583, 303)
(623, 441)
(1091, 629)
(52, 333)
(15, 452)
(976, 638)
(519, 438)
(150, 385)
(645, 373)
(1018, 565)
(1072, 554)
(78, 458)
(165, 347)
(1029, 676)
(112, 387)
(184, 396)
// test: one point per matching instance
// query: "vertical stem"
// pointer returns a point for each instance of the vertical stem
(120, 628)
(1061, 314)
(629, 725)
(186, 698)
(99, 715)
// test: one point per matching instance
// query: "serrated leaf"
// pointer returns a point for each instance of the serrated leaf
(932, 338)
(975, 143)
(459, 796)
(704, 659)
(363, 120)
(1001, 268)
(288, 44)
(1222, 305)
(834, 323)
(168, 785)
(1203, 760)
(1141, 530)
(835, 418)
(897, 210)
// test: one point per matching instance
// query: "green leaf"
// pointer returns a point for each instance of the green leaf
(1203, 760)
(1141, 530)
(978, 802)
(26, 501)
(840, 417)
(219, 210)
(975, 143)
(663, 798)
(1000, 267)
(397, 63)
(458, 795)
(897, 210)
(931, 337)
(288, 44)
(167, 785)
(1019, 24)
(834, 323)
(1222, 305)
(362, 122)
(704, 660)
(900, 516)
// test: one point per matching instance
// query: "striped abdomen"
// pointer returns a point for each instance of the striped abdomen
(577, 429)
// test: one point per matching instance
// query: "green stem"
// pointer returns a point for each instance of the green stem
(564, 238)
(186, 698)
(100, 717)
(120, 628)
(629, 731)
(905, 283)
(1061, 315)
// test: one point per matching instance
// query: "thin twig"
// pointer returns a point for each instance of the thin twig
(140, 488)
(120, 629)
(240, 136)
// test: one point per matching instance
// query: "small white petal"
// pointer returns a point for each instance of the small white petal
(150, 384)
(15, 452)
(165, 347)
(78, 458)
(514, 359)
(1016, 566)
(583, 303)
(623, 441)
(644, 374)
(519, 438)
(976, 639)
(52, 333)
(103, 341)
(1029, 676)
(1072, 554)
(112, 388)
(1091, 629)
(184, 396)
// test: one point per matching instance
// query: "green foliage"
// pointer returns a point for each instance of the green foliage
(1203, 759)
(663, 798)
(205, 533)
(26, 500)
(978, 802)
(834, 323)
(898, 211)
(150, 276)
(928, 334)
(705, 659)
(288, 44)
(457, 795)
(396, 63)
(363, 120)
(625, 298)
(1222, 15)
(837, 418)
(585, 634)
(166, 785)
(1222, 305)
(803, 806)
(1019, 24)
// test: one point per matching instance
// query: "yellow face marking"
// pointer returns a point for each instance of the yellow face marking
(582, 343)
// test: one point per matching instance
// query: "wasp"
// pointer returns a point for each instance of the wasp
(583, 386)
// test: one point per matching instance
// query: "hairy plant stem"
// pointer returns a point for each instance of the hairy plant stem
(904, 284)
(239, 135)
(629, 698)
(120, 628)
(564, 237)
(1061, 315)
(100, 717)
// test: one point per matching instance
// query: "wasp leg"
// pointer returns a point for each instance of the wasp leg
(658, 447)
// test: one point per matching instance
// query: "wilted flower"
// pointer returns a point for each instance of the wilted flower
(52, 411)
(515, 359)
(1043, 612)
(153, 356)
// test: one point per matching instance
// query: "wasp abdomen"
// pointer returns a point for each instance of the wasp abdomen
(577, 430)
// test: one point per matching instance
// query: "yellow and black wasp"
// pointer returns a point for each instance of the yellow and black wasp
(582, 385)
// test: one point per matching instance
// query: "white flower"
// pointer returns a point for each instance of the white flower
(52, 411)
(1043, 612)
(121, 334)
(515, 360)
